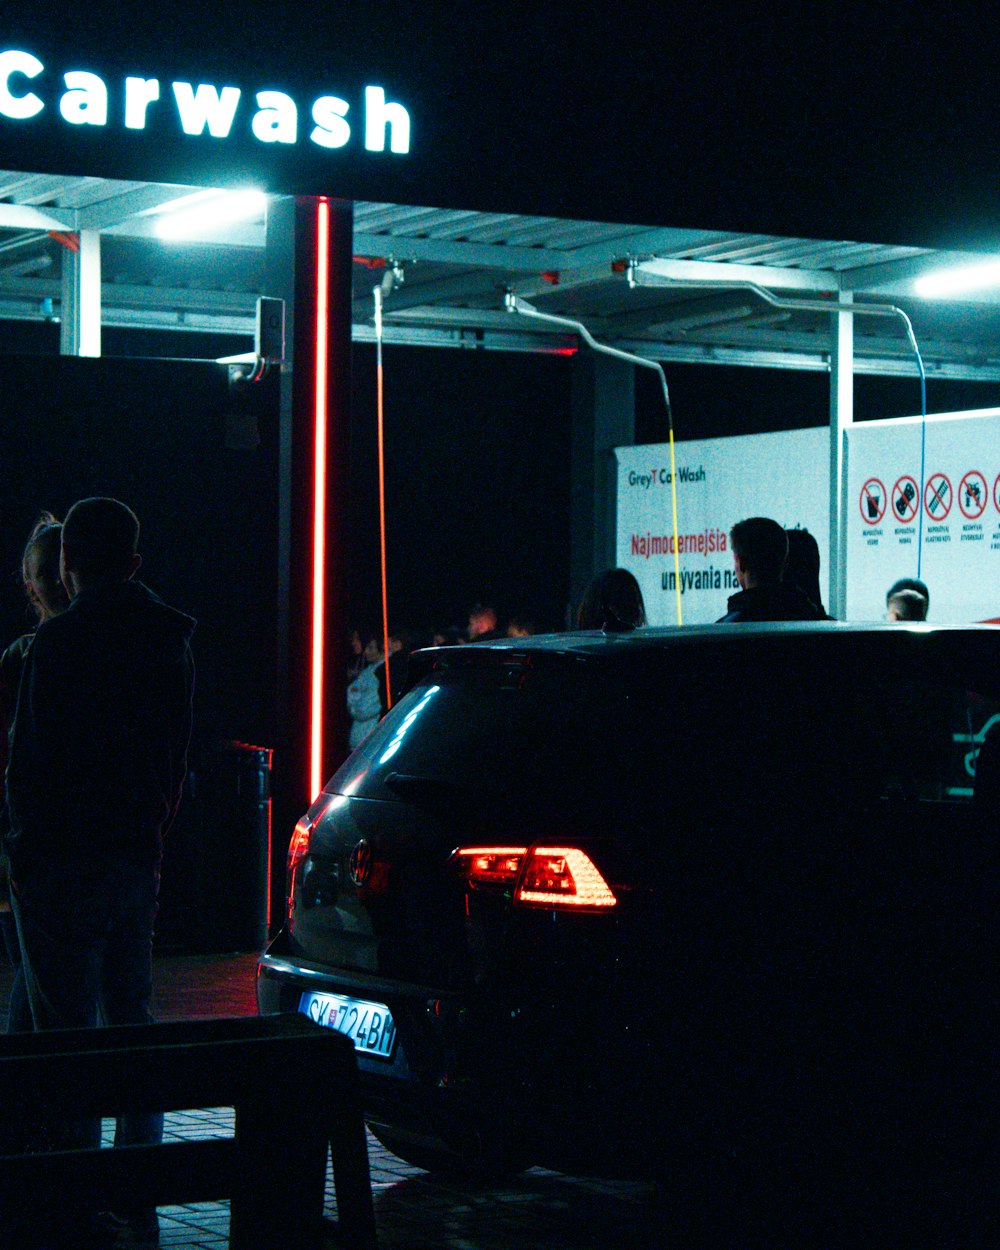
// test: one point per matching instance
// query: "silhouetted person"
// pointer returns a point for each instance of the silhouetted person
(364, 705)
(760, 550)
(802, 567)
(612, 602)
(907, 600)
(47, 597)
(97, 761)
(482, 623)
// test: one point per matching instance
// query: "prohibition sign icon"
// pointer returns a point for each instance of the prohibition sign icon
(996, 493)
(872, 501)
(937, 496)
(972, 495)
(905, 499)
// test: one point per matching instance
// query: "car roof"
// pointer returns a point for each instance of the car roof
(967, 652)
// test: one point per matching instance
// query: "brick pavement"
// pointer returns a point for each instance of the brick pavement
(414, 1210)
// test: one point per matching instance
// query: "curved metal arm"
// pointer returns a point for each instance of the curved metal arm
(514, 303)
(637, 276)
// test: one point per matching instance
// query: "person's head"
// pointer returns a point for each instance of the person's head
(40, 568)
(802, 566)
(99, 544)
(906, 605)
(915, 585)
(519, 627)
(760, 549)
(613, 602)
(482, 620)
(373, 648)
(400, 640)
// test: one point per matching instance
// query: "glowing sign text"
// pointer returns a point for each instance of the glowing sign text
(201, 109)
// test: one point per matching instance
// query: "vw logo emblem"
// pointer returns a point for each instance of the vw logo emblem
(359, 863)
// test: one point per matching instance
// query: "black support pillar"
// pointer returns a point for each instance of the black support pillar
(603, 400)
(309, 247)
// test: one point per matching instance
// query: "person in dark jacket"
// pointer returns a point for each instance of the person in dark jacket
(760, 550)
(97, 762)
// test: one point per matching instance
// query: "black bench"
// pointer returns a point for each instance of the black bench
(294, 1087)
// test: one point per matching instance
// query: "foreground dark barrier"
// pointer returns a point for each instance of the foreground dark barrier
(294, 1087)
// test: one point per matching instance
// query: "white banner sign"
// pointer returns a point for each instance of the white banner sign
(719, 481)
(944, 529)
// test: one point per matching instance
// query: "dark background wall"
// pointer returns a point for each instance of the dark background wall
(154, 433)
(819, 121)
(716, 401)
(477, 492)
(477, 464)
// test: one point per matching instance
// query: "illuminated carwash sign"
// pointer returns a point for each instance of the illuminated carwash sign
(200, 109)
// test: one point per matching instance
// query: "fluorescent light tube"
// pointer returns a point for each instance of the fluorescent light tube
(958, 281)
(222, 209)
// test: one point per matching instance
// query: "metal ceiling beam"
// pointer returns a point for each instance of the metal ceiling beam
(758, 357)
(763, 275)
(117, 209)
(537, 287)
(149, 298)
(475, 255)
(24, 217)
(682, 314)
(891, 273)
(455, 289)
(639, 243)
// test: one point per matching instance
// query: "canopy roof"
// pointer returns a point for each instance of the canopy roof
(456, 266)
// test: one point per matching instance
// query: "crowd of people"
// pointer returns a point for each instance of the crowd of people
(97, 708)
(778, 574)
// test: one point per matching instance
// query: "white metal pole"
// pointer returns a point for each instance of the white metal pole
(80, 327)
(841, 417)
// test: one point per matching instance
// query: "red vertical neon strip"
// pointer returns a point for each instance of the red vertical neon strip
(319, 497)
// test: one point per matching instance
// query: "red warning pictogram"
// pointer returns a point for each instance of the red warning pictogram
(872, 501)
(972, 497)
(938, 496)
(905, 499)
(996, 493)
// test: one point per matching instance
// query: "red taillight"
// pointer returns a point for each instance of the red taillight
(562, 877)
(490, 865)
(298, 848)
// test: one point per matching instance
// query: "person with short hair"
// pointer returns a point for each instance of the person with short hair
(760, 550)
(907, 599)
(906, 605)
(97, 762)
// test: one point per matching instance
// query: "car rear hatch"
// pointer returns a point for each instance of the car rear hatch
(474, 758)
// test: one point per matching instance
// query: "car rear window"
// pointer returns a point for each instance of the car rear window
(774, 722)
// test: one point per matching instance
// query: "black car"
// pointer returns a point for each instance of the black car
(715, 904)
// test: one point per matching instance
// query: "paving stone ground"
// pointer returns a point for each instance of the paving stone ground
(414, 1210)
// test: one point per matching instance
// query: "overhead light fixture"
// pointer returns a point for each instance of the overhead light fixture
(959, 281)
(192, 215)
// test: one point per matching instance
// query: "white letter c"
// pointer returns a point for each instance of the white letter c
(24, 106)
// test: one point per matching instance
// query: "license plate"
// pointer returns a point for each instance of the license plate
(369, 1025)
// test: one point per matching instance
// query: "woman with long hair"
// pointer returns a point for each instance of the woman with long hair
(46, 597)
(612, 602)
